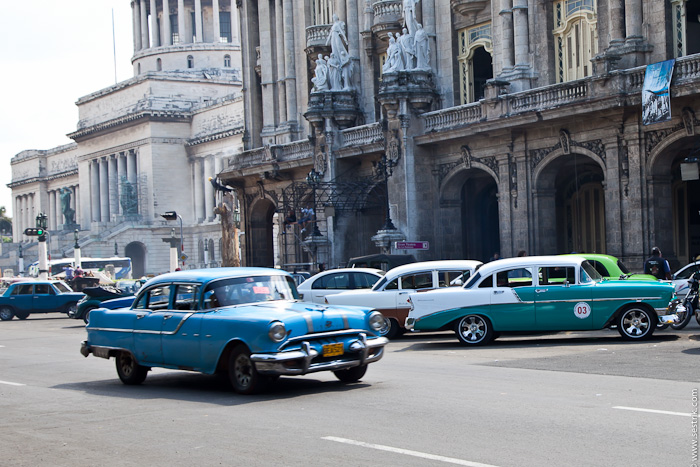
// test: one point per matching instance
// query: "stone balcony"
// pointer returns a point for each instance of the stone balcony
(388, 18)
(468, 7)
(316, 37)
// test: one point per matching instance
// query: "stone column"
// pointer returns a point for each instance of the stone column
(199, 179)
(76, 203)
(144, 25)
(521, 35)
(341, 10)
(17, 227)
(165, 22)
(131, 170)
(280, 63)
(633, 18)
(104, 190)
(181, 21)
(289, 59)
(136, 16)
(506, 15)
(121, 173)
(265, 24)
(235, 36)
(216, 21)
(113, 185)
(95, 190)
(428, 13)
(199, 36)
(154, 25)
(209, 171)
(616, 20)
(52, 211)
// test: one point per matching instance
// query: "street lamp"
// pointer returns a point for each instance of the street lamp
(76, 250)
(171, 216)
(313, 179)
(385, 168)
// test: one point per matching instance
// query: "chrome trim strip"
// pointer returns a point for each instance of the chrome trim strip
(309, 322)
(324, 335)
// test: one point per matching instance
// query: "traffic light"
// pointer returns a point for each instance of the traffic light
(34, 232)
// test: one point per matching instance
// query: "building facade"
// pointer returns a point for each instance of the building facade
(144, 146)
(476, 126)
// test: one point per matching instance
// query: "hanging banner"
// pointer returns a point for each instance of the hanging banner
(656, 96)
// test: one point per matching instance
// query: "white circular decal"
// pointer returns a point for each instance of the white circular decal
(582, 310)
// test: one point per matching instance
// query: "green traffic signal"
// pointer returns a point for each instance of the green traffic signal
(34, 232)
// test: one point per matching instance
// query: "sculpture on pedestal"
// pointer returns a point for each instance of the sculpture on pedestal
(68, 212)
(128, 198)
(321, 79)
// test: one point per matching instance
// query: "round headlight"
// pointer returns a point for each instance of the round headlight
(376, 321)
(277, 331)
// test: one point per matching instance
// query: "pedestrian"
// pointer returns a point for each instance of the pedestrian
(522, 253)
(290, 219)
(494, 257)
(69, 272)
(307, 216)
(657, 266)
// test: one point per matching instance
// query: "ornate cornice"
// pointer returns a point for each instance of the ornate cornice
(47, 178)
(215, 136)
(131, 118)
(566, 144)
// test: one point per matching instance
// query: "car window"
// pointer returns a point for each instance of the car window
(589, 274)
(242, 290)
(487, 283)
(159, 297)
(687, 272)
(186, 296)
(422, 280)
(557, 275)
(63, 288)
(23, 289)
(453, 278)
(516, 277)
(362, 280)
(43, 289)
(393, 285)
(333, 281)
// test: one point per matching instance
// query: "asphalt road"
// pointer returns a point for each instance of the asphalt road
(583, 399)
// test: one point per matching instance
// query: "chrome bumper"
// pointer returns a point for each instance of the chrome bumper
(668, 319)
(360, 351)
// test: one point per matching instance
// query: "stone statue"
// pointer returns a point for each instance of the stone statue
(346, 66)
(394, 61)
(409, 16)
(334, 72)
(408, 49)
(422, 49)
(336, 37)
(68, 212)
(321, 79)
(128, 198)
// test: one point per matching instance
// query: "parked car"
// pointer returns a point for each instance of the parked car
(390, 294)
(542, 293)
(24, 298)
(612, 268)
(95, 296)
(680, 278)
(246, 322)
(315, 288)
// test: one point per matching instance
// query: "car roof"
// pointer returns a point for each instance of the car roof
(377, 272)
(432, 265)
(524, 261)
(207, 275)
(594, 256)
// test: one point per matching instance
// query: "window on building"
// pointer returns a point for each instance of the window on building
(474, 61)
(138, 68)
(211, 250)
(227, 61)
(321, 12)
(685, 17)
(174, 29)
(575, 38)
(225, 26)
(190, 61)
(159, 65)
(200, 251)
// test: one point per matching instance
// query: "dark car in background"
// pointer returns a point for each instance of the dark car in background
(24, 298)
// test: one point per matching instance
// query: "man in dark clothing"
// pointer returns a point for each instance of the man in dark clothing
(657, 266)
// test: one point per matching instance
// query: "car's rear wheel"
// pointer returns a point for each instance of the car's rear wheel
(129, 371)
(244, 378)
(474, 330)
(6, 313)
(21, 314)
(71, 309)
(636, 323)
(86, 314)
(391, 328)
(351, 374)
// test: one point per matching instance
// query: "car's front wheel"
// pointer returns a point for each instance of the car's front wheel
(351, 374)
(244, 378)
(474, 330)
(636, 323)
(6, 313)
(71, 309)
(391, 329)
(86, 314)
(128, 369)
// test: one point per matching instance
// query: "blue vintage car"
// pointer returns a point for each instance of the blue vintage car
(247, 322)
(24, 298)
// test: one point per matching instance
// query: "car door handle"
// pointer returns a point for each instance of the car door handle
(540, 290)
(167, 317)
(495, 292)
(140, 315)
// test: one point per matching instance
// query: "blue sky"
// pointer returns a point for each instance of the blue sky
(53, 54)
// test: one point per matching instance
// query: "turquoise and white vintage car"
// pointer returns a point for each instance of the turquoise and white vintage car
(246, 322)
(541, 293)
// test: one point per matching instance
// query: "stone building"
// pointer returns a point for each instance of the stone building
(503, 125)
(144, 146)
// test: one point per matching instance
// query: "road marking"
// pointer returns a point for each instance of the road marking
(663, 412)
(406, 452)
(12, 384)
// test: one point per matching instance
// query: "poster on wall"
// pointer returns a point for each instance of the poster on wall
(656, 96)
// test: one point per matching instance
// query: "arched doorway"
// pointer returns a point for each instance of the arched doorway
(259, 238)
(137, 252)
(571, 206)
(365, 224)
(480, 226)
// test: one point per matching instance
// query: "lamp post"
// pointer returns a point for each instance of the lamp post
(76, 250)
(171, 216)
(20, 264)
(236, 243)
(313, 179)
(385, 168)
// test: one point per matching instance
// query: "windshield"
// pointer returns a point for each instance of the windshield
(475, 278)
(589, 274)
(240, 290)
(622, 267)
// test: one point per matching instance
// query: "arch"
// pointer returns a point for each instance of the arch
(450, 189)
(227, 61)
(259, 240)
(137, 252)
(190, 61)
(159, 65)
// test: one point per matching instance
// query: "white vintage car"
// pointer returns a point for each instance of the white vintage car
(390, 294)
(542, 293)
(316, 288)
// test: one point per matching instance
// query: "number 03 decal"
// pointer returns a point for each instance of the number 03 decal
(582, 310)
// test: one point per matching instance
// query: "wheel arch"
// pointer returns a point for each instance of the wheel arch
(626, 306)
(222, 363)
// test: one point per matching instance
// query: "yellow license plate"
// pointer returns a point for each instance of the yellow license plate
(331, 350)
